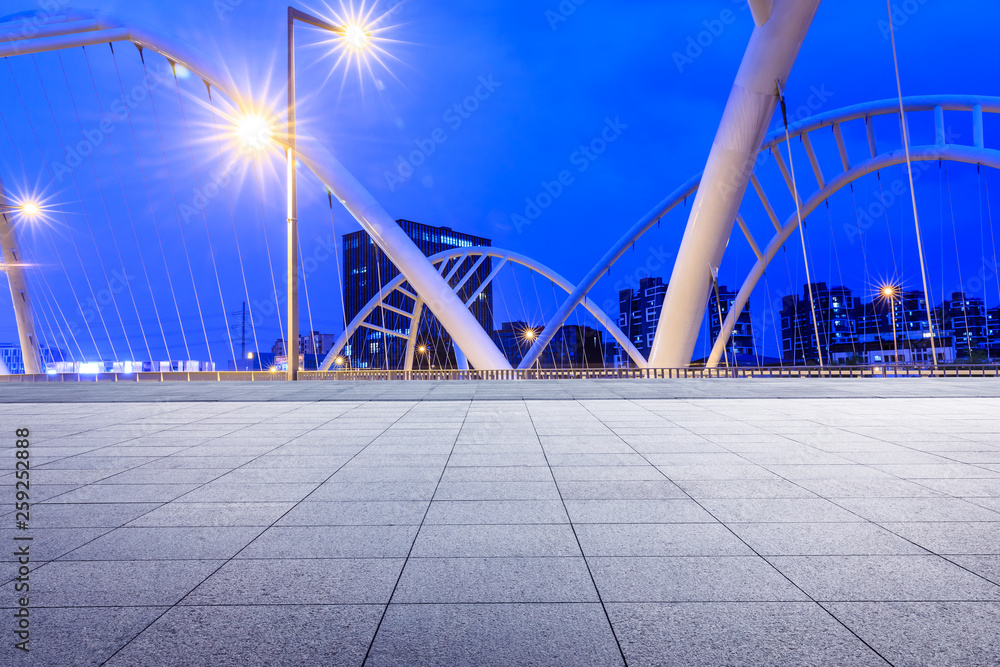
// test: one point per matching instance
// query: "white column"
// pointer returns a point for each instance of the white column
(769, 57)
(12, 260)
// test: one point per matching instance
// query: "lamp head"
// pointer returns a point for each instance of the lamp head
(357, 37)
(254, 131)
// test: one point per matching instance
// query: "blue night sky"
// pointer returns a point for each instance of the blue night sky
(555, 82)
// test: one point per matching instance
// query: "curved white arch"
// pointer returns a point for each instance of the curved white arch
(987, 104)
(952, 153)
(89, 28)
(495, 253)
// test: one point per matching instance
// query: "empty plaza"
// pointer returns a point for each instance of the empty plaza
(701, 522)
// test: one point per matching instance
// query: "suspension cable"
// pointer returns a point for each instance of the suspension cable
(204, 214)
(913, 193)
(267, 248)
(152, 209)
(802, 233)
(55, 248)
(63, 209)
(90, 226)
(232, 218)
(996, 269)
(131, 219)
(180, 225)
(336, 259)
(104, 203)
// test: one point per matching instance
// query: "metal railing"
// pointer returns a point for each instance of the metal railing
(531, 374)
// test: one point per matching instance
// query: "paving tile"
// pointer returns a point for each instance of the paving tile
(255, 636)
(485, 634)
(300, 582)
(909, 634)
(69, 637)
(497, 491)
(126, 493)
(282, 542)
(677, 539)
(486, 580)
(200, 543)
(620, 490)
(888, 578)
(822, 539)
(743, 488)
(917, 509)
(114, 583)
(952, 537)
(48, 543)
(88, 515)
(777, 510)
(501, 541)
(181, 514)
(685, 579)
(364, 491)
(726, 633)
(364, 513)
(459, 512)
(674, 510)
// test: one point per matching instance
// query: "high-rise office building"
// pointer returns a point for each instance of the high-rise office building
(833, 309)
(639, 312)
(741, 343)
(965, 317)
(367, 270)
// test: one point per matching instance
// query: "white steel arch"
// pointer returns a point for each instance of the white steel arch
(977, 105)
(462, 254)
(37, 32)
(969, 155)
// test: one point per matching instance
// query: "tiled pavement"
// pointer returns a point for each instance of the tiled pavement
(480, 531)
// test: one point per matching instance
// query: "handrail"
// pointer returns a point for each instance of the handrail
(700, 373)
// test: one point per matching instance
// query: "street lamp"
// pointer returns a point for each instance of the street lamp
(889, 293)
(529, 335)
(29, 208)
(358, 38)
(254, 131)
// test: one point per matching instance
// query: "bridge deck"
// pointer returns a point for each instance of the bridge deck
(697, 522)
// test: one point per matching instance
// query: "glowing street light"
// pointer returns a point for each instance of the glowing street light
(254, 132)
(28, 208)
(889, 293)
(339, 361)
(358, 38)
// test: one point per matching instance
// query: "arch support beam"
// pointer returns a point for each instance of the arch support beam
(12, 266)
(769, 58)
(966, 154)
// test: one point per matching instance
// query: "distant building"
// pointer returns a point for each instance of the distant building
(367, 270)
(10, 355)
(993, 332)
(639, 312)
(741, 343)
(834, 317)
(313, 348)
(573, 346)
(965, 317)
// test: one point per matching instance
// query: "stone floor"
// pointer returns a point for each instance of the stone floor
(547, 524)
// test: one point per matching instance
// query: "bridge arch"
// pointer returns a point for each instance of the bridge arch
(461, 256)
